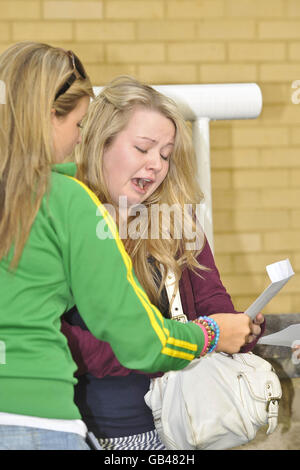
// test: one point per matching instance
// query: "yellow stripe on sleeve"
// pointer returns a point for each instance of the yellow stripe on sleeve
(178, 354)
(182, 344)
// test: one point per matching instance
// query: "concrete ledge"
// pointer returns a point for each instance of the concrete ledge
(279, 356)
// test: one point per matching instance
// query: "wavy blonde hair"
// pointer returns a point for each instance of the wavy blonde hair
(32, 73)
(107, 116)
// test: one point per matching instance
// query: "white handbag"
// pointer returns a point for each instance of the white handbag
(218, 401)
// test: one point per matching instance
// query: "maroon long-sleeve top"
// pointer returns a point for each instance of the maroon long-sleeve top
(200, 295)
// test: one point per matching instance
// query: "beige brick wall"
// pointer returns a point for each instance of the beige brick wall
(255, 164)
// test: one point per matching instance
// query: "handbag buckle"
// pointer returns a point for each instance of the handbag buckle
(182, 318)
(272, 400)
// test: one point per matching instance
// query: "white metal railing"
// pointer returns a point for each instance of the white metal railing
(200, 104)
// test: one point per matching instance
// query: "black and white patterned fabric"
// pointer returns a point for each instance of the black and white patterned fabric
(145, 441)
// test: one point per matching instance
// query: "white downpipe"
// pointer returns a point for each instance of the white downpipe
(201, 104)
(202, 145)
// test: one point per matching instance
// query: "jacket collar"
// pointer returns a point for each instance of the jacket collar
(68, 168)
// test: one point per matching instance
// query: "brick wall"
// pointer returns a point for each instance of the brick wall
(255, 164)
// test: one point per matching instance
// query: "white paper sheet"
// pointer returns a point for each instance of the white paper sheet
(290, 336)
(279, 274)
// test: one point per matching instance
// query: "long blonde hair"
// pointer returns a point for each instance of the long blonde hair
(32, 73)
(107, 116)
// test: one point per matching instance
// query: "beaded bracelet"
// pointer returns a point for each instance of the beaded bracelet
(213, 333)
(215, 327)
(206, 340)
(208, 334)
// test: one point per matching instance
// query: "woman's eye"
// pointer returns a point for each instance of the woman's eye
(164, 157)
(140, 150)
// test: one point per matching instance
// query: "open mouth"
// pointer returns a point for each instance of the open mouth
(142, 183)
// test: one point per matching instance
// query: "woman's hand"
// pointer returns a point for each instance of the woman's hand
(255, 327)
(235, 330)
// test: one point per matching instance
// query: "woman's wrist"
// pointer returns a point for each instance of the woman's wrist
(211, 333)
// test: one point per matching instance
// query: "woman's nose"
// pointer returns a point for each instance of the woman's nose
(154, 161)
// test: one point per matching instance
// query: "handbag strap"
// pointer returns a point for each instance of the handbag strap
(176, 309)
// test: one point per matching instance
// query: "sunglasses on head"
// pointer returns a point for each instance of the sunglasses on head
(77, 69)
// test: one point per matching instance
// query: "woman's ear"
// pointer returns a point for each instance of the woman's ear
(52, 113)
(54, 118)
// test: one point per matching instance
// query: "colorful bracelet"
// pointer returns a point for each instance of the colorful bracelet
(206, 340)
(202, 323)
(213, 333)
(215, 327)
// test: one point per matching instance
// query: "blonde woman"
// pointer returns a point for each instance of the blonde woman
(137, 156)
(51, 258)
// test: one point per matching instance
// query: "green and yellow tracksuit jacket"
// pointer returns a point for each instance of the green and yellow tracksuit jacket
(65, 263)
